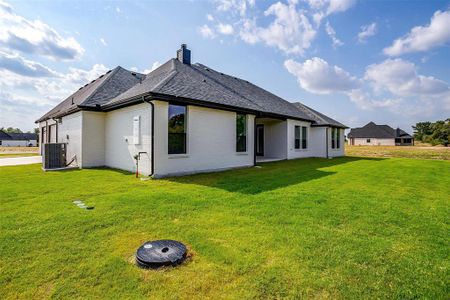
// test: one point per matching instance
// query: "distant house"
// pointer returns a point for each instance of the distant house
(184, 118)
(18, 139)
(379, 135)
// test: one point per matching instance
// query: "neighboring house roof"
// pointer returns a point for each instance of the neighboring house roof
(179, 81)
(319, 118)
(372, 130)
(17, 136)
(97, 92)
(4, 136)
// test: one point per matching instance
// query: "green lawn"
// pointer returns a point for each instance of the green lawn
(343, 228)
(8, 155)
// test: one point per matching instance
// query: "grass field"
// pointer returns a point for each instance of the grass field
(345, 228)
(4, 150)
(7, 155)
(422, 152)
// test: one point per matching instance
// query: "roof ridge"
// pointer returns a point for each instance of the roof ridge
(168, 78)
(110, 75)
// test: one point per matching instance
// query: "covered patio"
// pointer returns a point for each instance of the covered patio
(271, 139)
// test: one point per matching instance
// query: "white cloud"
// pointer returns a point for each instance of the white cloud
(102, 40)
(118, 10)
(364, 101)
(423, 38)
(332, 34)
(367, 31)
(239, 6)
(290, 31)
(207, 32)
(155, 65)
(19, 65)
(393, 85)
(210, 17)
(317, 76)
(400, 78)
(325, 8)
(24, 99)
(34, 37)
(80, 76)
(225, 28)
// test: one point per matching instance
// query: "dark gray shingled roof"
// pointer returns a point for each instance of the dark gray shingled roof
(202, 83)
(319, 118)
(23, 136)
(97, 92)
(4, 136)
(372, 130)
(178, 81)
(17, 136)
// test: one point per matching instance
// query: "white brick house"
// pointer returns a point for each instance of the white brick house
(185, 118)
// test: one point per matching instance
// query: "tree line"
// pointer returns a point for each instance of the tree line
(17, 130)
(435, 133)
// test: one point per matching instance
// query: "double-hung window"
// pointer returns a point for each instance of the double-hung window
(177, 129)
(300, 137)
(297, 137)
(304, 137)
(335, 138)
(241, 132)
(338, 138)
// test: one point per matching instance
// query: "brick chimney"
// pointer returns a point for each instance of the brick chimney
(184, 55)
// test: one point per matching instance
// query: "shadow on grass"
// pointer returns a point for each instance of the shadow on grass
(269, 176)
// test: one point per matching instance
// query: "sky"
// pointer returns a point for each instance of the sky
(356, 61)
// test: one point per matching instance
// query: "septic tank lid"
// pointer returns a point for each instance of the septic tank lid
(154, 254)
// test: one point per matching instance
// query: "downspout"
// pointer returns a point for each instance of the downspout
(152, 161)
(254, 141)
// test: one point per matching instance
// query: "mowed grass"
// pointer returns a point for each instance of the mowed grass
(422, 152)
(344, 228)
(8, 155)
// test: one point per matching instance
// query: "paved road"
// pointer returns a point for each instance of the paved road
(15, 161)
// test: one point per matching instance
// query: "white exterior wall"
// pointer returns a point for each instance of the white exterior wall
(211, 142)
(119, 147)
(318, 141)
(336, 152)
(93, 139)
(275, 138)
(298, 153)
(70, 132)
(374, 142)
(18, 143)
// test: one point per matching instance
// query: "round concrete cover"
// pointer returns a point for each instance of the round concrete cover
(159, 253)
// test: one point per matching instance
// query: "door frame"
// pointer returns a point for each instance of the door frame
(258, 141)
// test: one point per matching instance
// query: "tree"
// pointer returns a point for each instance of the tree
(437, 133)
(11, 130)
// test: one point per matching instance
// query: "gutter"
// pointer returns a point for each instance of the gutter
(152, 162)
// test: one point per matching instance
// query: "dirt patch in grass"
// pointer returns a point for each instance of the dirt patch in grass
(420, 152)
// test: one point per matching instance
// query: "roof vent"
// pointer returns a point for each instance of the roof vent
(133, 73)
(184, 55)
(72, 101)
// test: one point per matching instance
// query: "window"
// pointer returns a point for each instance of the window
(407, 141)
(338, 138)
(297, 137)
(177, 129)
(368, 141)
(241, 133)
(333, 138)
(398, 141)
(304, 137)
